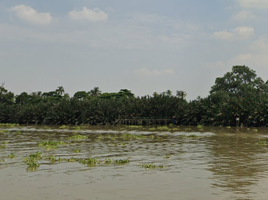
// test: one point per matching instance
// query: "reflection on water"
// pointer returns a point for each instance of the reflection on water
(205, 163)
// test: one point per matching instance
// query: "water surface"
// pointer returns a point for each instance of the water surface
(190, 163)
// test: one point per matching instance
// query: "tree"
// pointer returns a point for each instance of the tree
(5, 96)
(240, 79)
(60, 90)
(80, 95)
(95, 92)
(238, 94)
(181, 94)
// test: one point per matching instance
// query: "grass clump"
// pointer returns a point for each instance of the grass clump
(2, 146)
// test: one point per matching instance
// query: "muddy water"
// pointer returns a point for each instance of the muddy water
(189, 164)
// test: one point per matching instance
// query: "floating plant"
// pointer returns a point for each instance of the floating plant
(50, 144)
(121, 161)
(151, 166)
(89, 161)
(262, 142)
(76, 150)
(78, 137)
(11, 156)
(107, 161)
(148, 166)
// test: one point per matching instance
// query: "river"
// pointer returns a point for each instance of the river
(187, 163)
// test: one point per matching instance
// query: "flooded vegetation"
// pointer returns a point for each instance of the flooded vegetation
(132, 162)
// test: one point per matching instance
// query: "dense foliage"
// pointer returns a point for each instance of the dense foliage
(238, 94)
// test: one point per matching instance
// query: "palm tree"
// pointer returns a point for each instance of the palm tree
(60, 90)
(95, 92)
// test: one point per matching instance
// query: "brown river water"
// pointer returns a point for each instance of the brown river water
(190, 163)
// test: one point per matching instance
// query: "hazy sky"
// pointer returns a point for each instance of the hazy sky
(143, 45)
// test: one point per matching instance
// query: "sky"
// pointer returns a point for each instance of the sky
(145, 46)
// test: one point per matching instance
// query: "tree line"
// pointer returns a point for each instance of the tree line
(239, 94)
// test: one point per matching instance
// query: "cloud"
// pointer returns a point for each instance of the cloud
(214, 65)
(243, 15)
(260, 45)
(253, 60)
(30, 15)
(239, 33)
(88, 14)
(144, 72)
(260, 4)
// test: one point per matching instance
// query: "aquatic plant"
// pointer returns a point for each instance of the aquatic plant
(134, 126)
(122, 161)
(76, 150)
(52, 158)
(36, 156)
(107, 161)
(32, 160)
(190, 136)
(78, 137)
(11, 156)
(71, 159)
(262, 142)
(199, 126)
(168, 156)
(123, 144)
(50, 144)
(163, 128)
(131, 137)
(148, 166)
(89, 161)
(63, 127)
(32, 166)
(151, 166)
